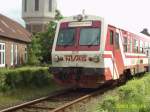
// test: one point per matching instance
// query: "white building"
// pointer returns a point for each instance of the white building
(38, 13)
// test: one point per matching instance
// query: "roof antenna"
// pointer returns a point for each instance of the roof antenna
(83, 12)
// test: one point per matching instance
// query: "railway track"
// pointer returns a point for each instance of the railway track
(60, 101)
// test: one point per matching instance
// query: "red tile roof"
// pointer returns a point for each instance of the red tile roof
(13, 30)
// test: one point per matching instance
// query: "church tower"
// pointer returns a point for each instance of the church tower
(38, 13)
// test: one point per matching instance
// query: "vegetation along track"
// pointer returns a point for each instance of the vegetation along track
(60, 101)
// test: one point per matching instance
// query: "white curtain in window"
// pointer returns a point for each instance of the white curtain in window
(16, 54)
(2, 54)
(12, 55)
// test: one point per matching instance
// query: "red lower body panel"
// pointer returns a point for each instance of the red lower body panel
(81, 77)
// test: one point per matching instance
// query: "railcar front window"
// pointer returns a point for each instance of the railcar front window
(89, 36)
(66, 37)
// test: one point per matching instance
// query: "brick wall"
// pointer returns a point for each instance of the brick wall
(21, 47)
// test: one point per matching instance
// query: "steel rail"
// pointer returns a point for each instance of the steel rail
(26, 104)
(79, 100)
(61, 108)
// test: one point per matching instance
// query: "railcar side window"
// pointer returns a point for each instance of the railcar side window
(116, 40)
(130, 44)
(125, 44)
(111, 37)
(146, 45)
(146, 48)
(141, 47)
(66, 37)
(135, 47)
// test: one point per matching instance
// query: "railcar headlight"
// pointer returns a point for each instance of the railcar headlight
(56, 58)
(94, 59)
(79, 17)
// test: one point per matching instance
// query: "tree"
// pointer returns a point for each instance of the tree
(34, 51)
(58, 15)
(48, 37)
(41, 45)
(46, 41)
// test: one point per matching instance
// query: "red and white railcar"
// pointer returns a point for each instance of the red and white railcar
(88, 52)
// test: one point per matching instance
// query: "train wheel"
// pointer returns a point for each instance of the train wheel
(132, 70)
(129, 74)
(146, 69)
(122, 80)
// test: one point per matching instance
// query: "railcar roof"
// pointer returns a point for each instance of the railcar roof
(93, 17)
(127, 30)
(88, 17)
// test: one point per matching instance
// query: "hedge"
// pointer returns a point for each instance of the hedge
(20, 78)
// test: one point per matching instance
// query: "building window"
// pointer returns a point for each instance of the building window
(12, 55)
(25, 5)
(50, 5)
(111, 37)
(36, 5)
(2, 54)
(25, 55)
(16, 54)
(28, 27)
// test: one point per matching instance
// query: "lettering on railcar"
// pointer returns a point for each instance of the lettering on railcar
(81, 58)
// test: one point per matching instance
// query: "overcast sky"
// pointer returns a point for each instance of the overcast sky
(131, 14)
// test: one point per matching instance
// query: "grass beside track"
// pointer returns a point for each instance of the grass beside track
(12, 95)
(134, 96)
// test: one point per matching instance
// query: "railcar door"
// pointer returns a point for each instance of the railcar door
(113, 45)
(118, 58)
(110, 48)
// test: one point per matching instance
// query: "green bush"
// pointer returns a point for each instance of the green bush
(132, 97)
(109, 104)
(20, 78)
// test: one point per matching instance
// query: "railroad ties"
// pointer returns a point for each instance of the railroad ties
(59, 101)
